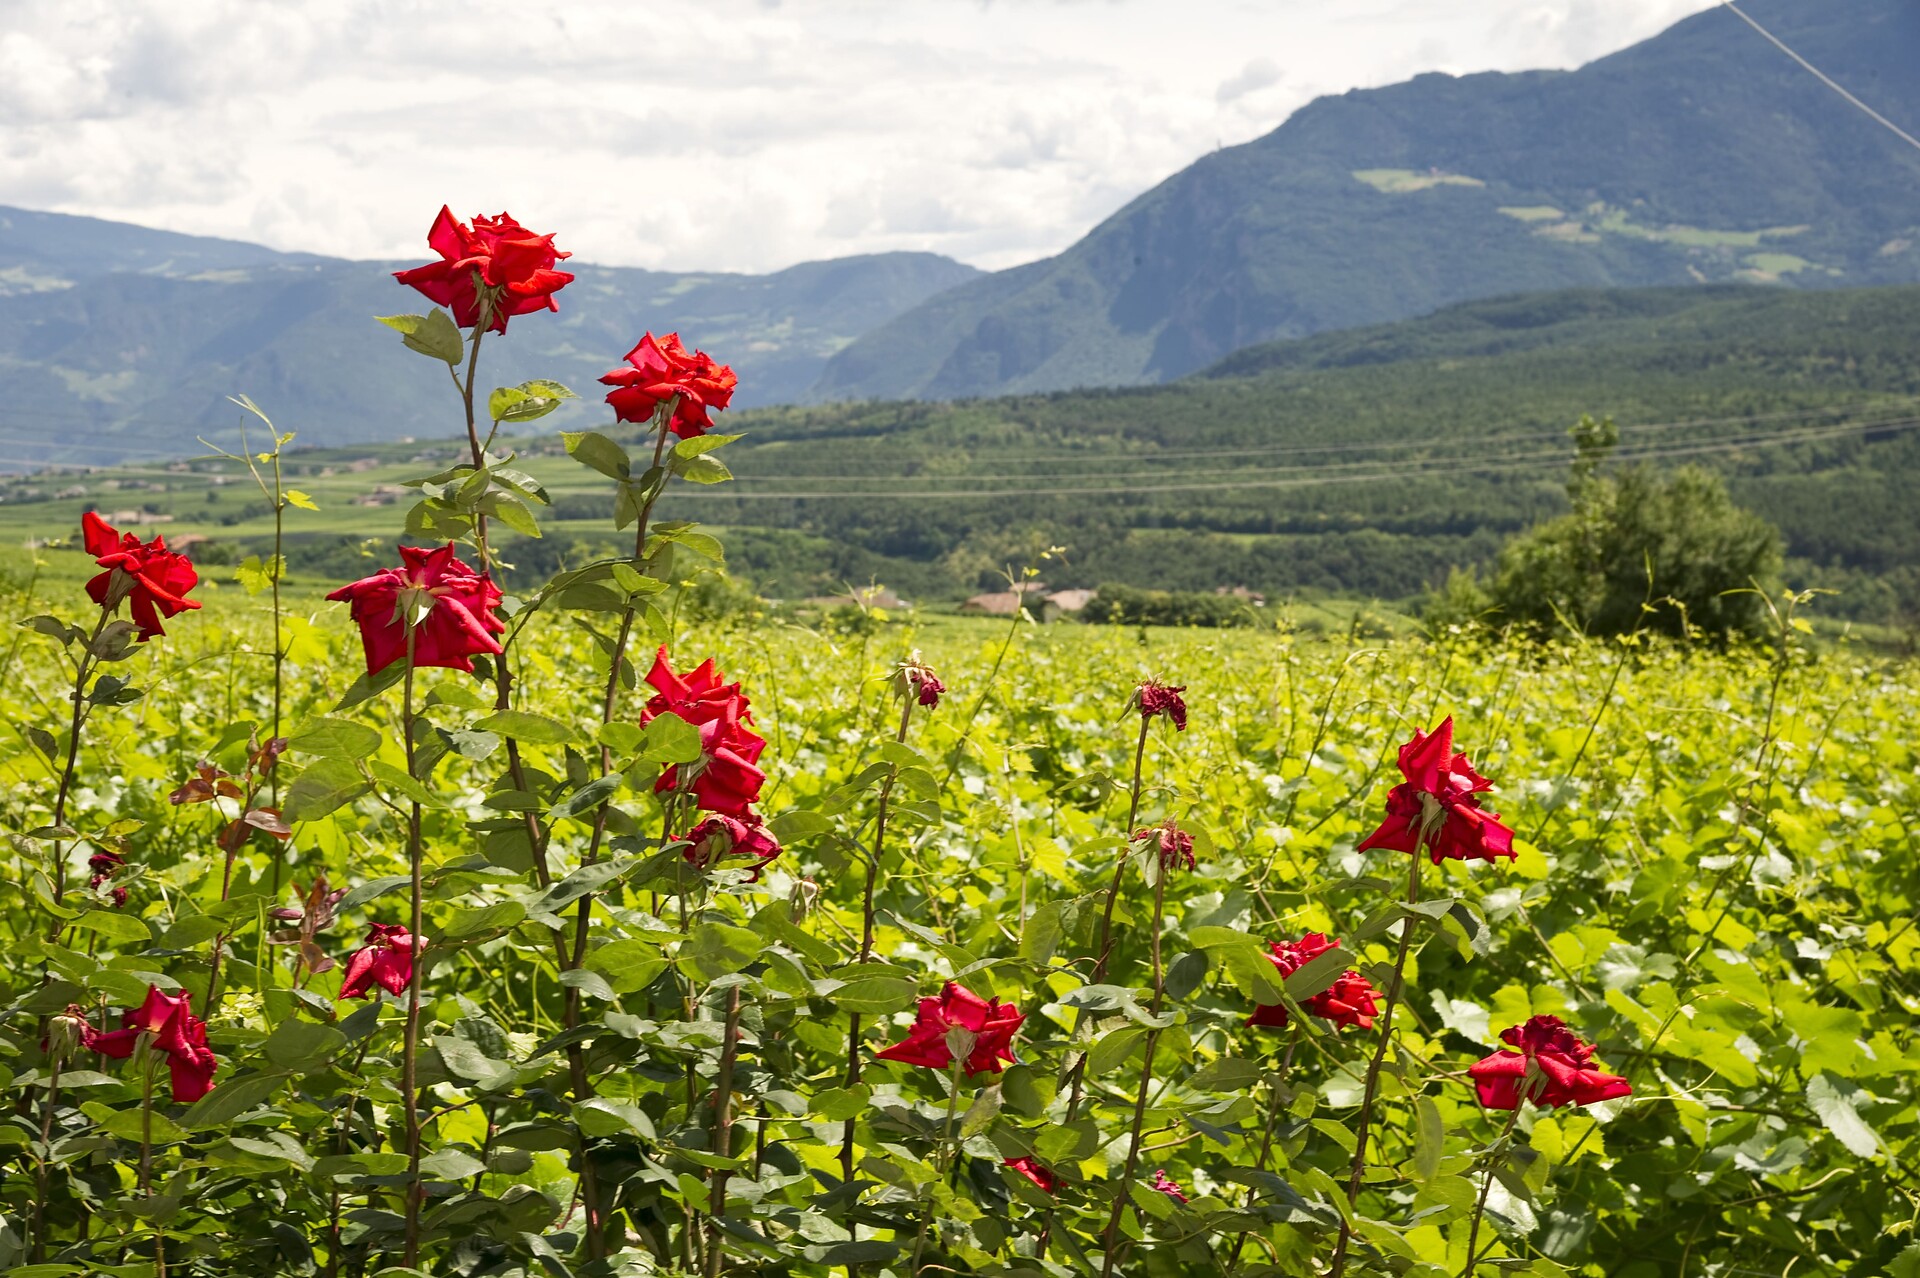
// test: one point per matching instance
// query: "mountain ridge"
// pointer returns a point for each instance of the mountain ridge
(1702, 154)
(119, 341)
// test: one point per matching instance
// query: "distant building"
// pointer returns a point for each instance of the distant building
(1051, 605)
(1253, 597)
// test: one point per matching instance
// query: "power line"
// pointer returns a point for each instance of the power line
(1423, 469)
(1824, 78)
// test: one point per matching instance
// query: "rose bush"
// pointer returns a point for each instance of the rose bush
(607, 962)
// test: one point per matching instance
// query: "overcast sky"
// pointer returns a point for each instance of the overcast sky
(711, 134)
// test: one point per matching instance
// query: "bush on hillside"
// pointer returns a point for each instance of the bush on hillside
(1670, 553)
(1126, 606)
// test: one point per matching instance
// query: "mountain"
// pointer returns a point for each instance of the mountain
(119, 341)
(1701, 155)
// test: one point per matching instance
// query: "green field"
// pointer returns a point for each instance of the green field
(1714, 885)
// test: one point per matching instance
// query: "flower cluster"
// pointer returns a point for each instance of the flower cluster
(153, 580)
(433, 600)
(1546, 1063)
(727, 776)
(166, 1023)
(1435, 808)
(1350, 1001)
(959, 1020)
(488, 272)
(662, 371)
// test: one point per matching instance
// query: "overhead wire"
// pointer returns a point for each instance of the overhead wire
(1823, 77)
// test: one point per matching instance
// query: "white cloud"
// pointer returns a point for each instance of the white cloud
(699, 134)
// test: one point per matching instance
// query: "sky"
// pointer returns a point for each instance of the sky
(741, 135)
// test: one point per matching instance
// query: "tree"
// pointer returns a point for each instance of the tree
(1666, 552)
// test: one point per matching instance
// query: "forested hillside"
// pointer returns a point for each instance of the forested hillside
(121, 342)
(1366, 463)
(1701, 155)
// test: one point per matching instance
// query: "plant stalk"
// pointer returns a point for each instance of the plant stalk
(409, 1068)
(1359, 1168)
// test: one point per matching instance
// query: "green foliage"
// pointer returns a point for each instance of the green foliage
(1125, 606)
(1670, 553)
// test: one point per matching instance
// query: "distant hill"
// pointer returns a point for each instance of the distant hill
(1703, 155)
(1363, 464)
(119, 341)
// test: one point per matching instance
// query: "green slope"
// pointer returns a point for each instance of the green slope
(1362, 463)
(119, 342)
(1702, 155)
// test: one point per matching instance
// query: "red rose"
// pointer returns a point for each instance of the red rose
(727, 777)
(385, 960)
(1032, 1169)
(460, 621)
(1176, 845)
(719, 837)
(991, 1022)
(155, 580)
(171, 1026)
(662, 370)
(1436, 804)
(1553, 1067)
(1348, 1001)
(912, 678)
(1168, 1186)
(513, 264)
(1153, 697)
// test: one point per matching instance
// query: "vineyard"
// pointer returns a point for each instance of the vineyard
(426, 929)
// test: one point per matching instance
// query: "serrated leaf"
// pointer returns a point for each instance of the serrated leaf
(323, 788)
(331, 737)
(591, 448)
(434, 334)
(525, 725)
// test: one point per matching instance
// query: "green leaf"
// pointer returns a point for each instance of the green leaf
(670, 739)
(359, 896)
(1114, 1047)
(591, 448)
(702, 470)
(701, 444)
(510, 511)
(587, 797)
(117, 928)
(335, 738)
(1430, 1139)
(525, 725)
(323, 788)
(526, 402)
(588, 878)
(433, 334)
(232, 1098)
(1317, 973)
(1834, 1105)
(876, 994)
(303, 1046)
(715, 949)
(451, 1164)
(397, 782)
(600, 1117)
(297, 498)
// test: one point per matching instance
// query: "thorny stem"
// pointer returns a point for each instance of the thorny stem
(583, 915)
(410, 1055)
(41, 1178)
(722, 1142)
(949, 1156)
(81, 671)
(1111, 1238)
(1359, 1168)
(146, 1154)
(1274, 1097)
(866, 929)
(1486, 1187)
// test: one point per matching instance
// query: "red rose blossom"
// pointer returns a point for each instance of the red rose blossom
(662, 370)
(154, 580)
(1175, 844)
(1035, 1171)
(1153, 697)
(1436, 805)
(1554, 1066)
(460, 621)
(172, 1028)
(513, 264)
(1168, 1186)
(727, 777)
(992, 1023)
(914, 678)
(385, 960)
(1348, 1001)
(719, 837)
